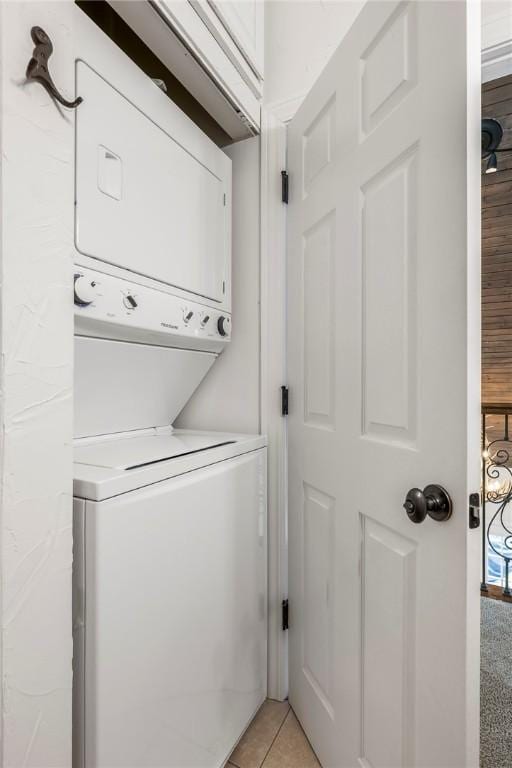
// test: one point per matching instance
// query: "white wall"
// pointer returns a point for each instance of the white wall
(36, 384)
(228, 399)
(300, 38)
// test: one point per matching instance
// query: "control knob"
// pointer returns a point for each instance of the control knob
(129, 301)
(224, 325)
(85, 291)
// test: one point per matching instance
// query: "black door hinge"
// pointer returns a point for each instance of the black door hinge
(285, 615)
(284, 401)
(284, 186)
(474, 510)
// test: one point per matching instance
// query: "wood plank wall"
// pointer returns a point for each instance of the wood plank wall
(497, 253)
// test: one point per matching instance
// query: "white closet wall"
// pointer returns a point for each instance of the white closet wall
(36, 341)
(229, 397)
(300, 38)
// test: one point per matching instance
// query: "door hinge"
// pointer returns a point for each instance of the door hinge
(284, 186)
(285, 624)
(284, 401)
(474, 510)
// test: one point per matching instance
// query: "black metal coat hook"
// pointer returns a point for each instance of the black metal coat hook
(37, 68)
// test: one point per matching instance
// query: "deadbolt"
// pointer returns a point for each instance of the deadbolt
(433, 500)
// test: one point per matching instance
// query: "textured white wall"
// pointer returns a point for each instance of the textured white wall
(36, 336)
(229, 397)
(300, 38)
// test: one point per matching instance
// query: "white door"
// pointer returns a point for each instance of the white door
(383, 317)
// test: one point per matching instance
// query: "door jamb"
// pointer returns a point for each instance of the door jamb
(273, 376)
(274, 118)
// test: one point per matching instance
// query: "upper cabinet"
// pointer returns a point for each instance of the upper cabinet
(214, 48)
(244, 22)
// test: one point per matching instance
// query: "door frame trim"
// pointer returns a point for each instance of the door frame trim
(497, 61)
(273, 375)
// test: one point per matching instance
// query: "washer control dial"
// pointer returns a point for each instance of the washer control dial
(85, 291)
(129, 301)
(224, 325)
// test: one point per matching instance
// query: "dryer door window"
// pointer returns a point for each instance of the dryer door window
(145, 200)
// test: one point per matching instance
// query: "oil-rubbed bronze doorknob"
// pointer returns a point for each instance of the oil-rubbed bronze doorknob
(433, 500)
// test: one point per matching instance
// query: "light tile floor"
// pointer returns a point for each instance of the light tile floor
(274, 739)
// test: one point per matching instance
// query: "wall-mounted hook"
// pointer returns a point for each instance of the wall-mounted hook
(37, 68)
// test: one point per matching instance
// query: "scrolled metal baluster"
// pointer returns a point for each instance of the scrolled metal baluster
(483, 585)
(506, 589)
(497, 489)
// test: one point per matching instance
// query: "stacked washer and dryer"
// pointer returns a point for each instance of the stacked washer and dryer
(169, 524)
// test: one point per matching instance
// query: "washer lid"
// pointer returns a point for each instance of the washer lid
(136, 452)
(109, 466)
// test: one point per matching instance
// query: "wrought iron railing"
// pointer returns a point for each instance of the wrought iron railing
(496, 497)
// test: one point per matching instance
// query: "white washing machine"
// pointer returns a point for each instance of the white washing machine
(169, 597)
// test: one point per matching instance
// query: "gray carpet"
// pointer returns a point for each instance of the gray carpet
(496, 685)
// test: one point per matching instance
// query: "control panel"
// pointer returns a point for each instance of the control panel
(111, 307)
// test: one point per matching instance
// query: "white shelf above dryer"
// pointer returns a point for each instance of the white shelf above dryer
(190, 41)
(244, 21)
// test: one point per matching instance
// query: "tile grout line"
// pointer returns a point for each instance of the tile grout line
(285, 718)
(230, 762)
(306, 737)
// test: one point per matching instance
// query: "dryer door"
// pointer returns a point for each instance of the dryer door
(152, 191)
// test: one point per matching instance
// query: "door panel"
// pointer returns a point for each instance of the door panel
(318, 144)
(388, 225)
(389, 66)
(318, 565)
(388, 602)
(318, 250)
(384, 392)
